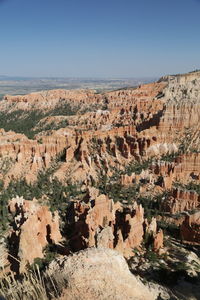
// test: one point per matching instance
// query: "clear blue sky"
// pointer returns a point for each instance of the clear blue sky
(99, 38)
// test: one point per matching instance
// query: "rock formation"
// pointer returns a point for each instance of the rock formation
(181, 201)
(126, 164)
(158, 241)
(98, 273)
(34, 228)
(97, 221)
(136, 124)
(190, 229)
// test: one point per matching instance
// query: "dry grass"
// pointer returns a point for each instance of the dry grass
(31, 286)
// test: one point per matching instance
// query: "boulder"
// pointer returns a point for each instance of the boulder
(98, 274)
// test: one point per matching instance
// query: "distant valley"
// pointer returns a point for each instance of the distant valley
(23, 85)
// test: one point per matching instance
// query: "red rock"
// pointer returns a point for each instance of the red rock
(34, 227)
(190, 228)
(158, 241)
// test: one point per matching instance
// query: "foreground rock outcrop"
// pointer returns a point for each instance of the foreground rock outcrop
(98, 274)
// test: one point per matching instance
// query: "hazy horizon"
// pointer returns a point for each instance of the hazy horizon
(107, 39)
(12, 77)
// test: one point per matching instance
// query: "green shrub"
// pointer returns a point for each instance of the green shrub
(58, 195)
(151, 256)
(22, 121)
(117, 191)
(137, 166)
(170, 157)
(191, 186)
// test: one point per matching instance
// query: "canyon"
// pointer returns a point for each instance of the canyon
(98, 175)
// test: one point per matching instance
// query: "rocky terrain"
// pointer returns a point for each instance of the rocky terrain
(89, 178)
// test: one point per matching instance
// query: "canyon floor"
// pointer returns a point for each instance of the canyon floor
(100, 192)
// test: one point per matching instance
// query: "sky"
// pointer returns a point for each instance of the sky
(99, 38)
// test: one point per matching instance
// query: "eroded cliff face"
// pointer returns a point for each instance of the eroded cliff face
(182, 200)
(144, 140)
(48, 100)
(135, 124)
